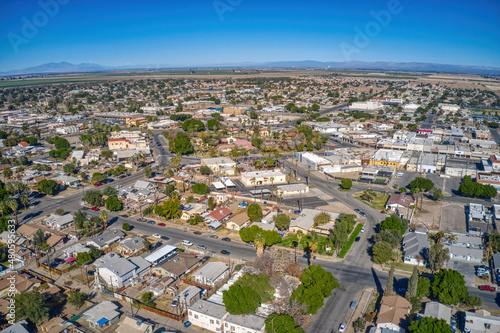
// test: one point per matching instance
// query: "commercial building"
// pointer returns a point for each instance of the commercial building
(220, 165)
(386, 157)
(314, 161)
(259, 178)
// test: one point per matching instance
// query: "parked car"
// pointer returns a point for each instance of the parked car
(141, 219)
(151, 222)
(187, 243)
(162, 224)
(342, 327)
(197, 233)
(362, 214)
(353, 304)
(98, 184)
(124, 215)
(214, 236)
(226, 239)
(363, 229)
(122, 176)
(187, 324)
(357, 210)
(487, 287)
(202, 247)
(156, 236)
(95, 209)
(164, 238)
(118, 186)
(224, 252)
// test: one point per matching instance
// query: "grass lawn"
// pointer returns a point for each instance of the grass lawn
(350, 241)
(380, 200)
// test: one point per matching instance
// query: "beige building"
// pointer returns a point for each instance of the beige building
(266, 177)
(220, 165)
(123, 144)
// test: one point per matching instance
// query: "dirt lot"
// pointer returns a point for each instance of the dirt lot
(440, 216)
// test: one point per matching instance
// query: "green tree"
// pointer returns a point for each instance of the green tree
(382, 252)
(126, 226)
(93, 198)
(240, 300)
(205, 170)
(80, 218)
(316, 284)
(76, 298)
(437, 257)
(282, 221)
(389, 289)
(170, 209)
(412, 284)
(254, 212)
(437, 193)
(473, 301)
(346, 184)
(423, 287)
(200, 188)
(429, 325)
(193, 125)
(61, 143)
(69, 168)
(109, 191)
(113, 204)
(107, 154)
(394, 222)
(181, 144)
(47, 186)
(211, 203)
(276, 323)
(392, 237)
(148, 172)
(449, 287)
(7, 173)
(32, 306)
(422, 183)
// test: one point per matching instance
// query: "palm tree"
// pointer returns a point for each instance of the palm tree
(104, 217)
(2, 207)
(12, 204)
(24, 200)
(259, 242)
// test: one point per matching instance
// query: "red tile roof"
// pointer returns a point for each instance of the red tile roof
(220, 213)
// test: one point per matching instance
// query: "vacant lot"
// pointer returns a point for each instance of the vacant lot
(453, 218)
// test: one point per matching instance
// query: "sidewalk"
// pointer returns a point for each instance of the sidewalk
(360, 308)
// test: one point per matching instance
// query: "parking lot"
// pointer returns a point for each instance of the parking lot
(466, 269)
(449, 184)
(453, 218)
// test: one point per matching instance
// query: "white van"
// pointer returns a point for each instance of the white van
(187, 243)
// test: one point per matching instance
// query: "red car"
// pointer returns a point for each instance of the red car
(122, 176)
(98, 184)
(95, 209)
(161, 224)
(197, 233)
(124, 215)
(487, 287)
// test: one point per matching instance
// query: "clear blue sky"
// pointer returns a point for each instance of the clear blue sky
(187, 33)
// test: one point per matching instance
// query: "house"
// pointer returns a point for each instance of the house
(117, 271)
(399, 200)
(191, 210)
(131, 246)
(238, 221)
(73, 250)
(218, 215)
(437, 310)
(59, 222)
(58, 325)
(102, 315)
(478, 220)
(189, 296)
(211, 273)
(249, 323)
(23, 282)
(67, 180)
(305, 221)
(106, 238)
(415, 246)
(135, 325)
(220, 165)
(181, 264)
(144, 185)
(207, 315)
(19, 327)
(393, 313)
(164, 252)
(481, 321)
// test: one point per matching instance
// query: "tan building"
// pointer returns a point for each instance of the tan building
(220, 165)
(238, 221)
(182, 263)
(393, 312)
(266, 177)
(123, 144)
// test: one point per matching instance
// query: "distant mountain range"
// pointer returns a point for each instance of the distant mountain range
(66, 67)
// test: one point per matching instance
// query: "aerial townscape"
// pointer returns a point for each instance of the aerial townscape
(248, 195)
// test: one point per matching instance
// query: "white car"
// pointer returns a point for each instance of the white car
(118, 186)
(342, 327)
(187, 243)
(156, 236)
(363, 229)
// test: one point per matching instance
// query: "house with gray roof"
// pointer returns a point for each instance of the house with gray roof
(481, 321)
(102, 315)
(59, 222)
(131, 246)
(211, 273)
(19, 327)
(249, 323)
(437, 310)
(415, 246)
(207, 315)
(117, 271)
(106, 238)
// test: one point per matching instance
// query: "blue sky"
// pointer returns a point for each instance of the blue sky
(196, 32)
